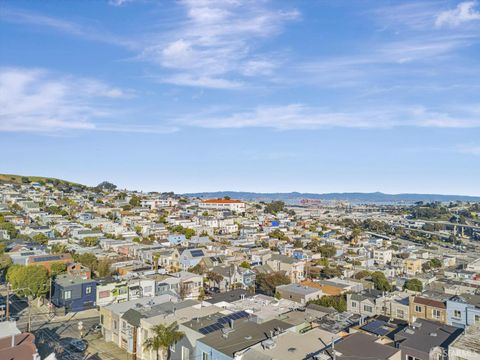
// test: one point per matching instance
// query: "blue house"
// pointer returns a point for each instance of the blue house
(176, 239)
(191, 257)
(74, 293)
(463, 310)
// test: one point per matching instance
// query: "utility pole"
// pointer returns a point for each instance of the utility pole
(29, 314)
(7, 314)
(134, 355)
(50, 306)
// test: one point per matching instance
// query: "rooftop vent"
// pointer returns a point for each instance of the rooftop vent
(433, 334)
(269, 344)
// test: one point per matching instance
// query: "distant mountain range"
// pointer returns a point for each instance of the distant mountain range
(357, 197)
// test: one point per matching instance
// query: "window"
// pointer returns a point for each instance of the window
(418, 308)
(436, 313)
(477, 319)
(400, 314)
(88, 290)
(101, 319)
(204, 356)
(354, 304)
(457, 314)
(115, 325)
(409, 357)
(67, 294)
(185, 353)
(367, 308)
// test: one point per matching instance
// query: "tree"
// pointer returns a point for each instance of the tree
(134, 201)
(201, 294)
(339, 303)
(380, 281)
(90, 241)
(330, 272)
(274, 207)
(58, 268)
(216, 278)
(4, 225)
(327, 251)
(105, 185)
(362, 274)
(267, 283)
(298, 243)
(413, 285)
(31, 280)
(103, 268)
(163, 337)
(189, 233)
(245, 264)
(40, 238)
(5, 262)
(89, 260)
(278, 234)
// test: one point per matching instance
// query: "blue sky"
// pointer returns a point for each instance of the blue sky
(200, 95)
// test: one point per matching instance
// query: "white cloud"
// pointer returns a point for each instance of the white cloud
(201, 81)
(218, 41)
(464, 12)
(119, 2)
(299, 116)
(36, 100)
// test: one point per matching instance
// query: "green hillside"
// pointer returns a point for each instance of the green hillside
(19, 179)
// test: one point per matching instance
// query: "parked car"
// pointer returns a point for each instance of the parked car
(213, 290)
(78, 345)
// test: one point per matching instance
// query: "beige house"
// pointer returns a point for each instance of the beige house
(295, 269)
(427, 309)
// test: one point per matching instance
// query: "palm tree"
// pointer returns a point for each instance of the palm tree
(163, 337)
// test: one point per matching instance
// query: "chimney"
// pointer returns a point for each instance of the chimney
(231, 323)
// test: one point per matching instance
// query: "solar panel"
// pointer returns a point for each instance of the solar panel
(378, 327)
(46, 258)
(196, 253)
(222, 321)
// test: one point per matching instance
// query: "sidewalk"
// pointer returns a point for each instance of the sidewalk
(86, 314)
(99, 349)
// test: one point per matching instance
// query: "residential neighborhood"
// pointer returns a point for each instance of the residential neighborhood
(104, 273)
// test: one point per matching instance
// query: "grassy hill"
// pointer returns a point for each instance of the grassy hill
(19, 179)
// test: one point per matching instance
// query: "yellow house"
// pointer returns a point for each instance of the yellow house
(413, 266)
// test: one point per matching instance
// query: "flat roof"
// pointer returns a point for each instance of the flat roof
(245, 334)
(291, 345)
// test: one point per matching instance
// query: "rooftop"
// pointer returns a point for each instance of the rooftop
(362, 346)
(469, 340)
(297, 346)
(243, 335)
(424, 335)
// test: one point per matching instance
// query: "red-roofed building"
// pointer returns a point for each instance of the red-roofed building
(15, 345)
(222, 204)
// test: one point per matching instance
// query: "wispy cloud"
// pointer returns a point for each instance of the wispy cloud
(299, 116)
(35, 100)
(217, 44)
(66, 27)
(463, 13)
